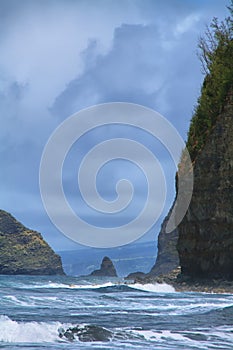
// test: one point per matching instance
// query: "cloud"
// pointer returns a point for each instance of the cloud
(60, 56)
(141, 67)
(41, 42)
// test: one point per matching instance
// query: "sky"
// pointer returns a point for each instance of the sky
(61, 56)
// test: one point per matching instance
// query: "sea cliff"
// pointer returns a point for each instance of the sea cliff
(167, 258)
(24, 251)
(204, 238)
(205, 242)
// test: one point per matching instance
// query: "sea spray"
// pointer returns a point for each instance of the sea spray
(27, 332)
(155, 288)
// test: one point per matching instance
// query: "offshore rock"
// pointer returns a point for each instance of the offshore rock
(95, 333)
(86, 333)
(107, 269)
(205, 243)
(135, 275)
(23, 251)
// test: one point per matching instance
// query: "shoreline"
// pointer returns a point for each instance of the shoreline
(184, 284)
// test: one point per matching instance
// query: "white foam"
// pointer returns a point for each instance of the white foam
(221, 333)
(92, 286)
(70, 286)
(44, 298)
(155, 288)
(198, 308)
(166, 336)
(13, 299)
(28, 332)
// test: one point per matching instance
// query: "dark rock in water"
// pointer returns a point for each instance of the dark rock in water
(135, 275)
(94, 333)
(86, 333)
(23, 251)
(107, 269)
(205, 241)
(68, 334)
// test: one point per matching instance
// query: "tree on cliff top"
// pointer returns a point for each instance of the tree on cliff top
(216, 55)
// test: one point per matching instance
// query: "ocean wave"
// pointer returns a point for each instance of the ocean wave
(28, 332)
(154, 288)
(163, 335)
(55, 332)
(27, 301)
(12, 299)
(53, 285)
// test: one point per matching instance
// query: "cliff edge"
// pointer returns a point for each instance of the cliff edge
(23, 251)
(205, 242)
(204, 238)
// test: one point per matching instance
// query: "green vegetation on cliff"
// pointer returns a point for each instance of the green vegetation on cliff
(23, 251)
(216, 54)
(205, 235)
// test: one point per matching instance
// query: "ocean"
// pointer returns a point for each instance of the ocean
(35, 310)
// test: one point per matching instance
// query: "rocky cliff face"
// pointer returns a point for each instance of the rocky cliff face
(23, 251)
(204, 239)
(205, 235)
(167, 258)
(107, 269)
(205, 243)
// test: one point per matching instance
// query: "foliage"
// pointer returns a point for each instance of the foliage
(24, 251)
(216, 55)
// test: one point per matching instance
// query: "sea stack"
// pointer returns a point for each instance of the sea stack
(107, 269)
(24, 251)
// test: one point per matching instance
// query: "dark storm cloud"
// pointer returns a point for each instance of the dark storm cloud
(145, 66)
(58, 57)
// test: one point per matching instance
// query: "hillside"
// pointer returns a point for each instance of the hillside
(23, 251)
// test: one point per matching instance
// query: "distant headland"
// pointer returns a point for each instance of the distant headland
(24, 251)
